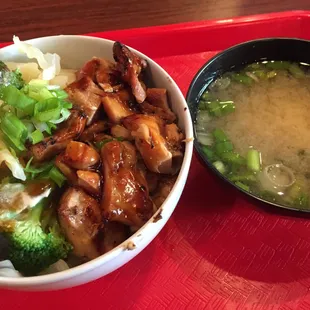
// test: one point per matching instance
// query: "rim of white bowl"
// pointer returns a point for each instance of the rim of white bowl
(81, 269)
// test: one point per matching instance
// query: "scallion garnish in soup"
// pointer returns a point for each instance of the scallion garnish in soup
(253, 125)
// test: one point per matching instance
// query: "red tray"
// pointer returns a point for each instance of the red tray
(219, 250)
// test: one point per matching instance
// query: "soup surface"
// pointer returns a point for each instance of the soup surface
(253, 125)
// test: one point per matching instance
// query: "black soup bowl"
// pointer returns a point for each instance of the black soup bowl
(234, 59)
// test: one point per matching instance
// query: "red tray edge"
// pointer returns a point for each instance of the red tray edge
(213, 23)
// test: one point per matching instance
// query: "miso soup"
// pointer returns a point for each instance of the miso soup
(254, 126)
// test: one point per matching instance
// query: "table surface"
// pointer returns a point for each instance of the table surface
(32, 18)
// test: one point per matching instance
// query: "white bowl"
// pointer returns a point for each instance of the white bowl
(74, 52)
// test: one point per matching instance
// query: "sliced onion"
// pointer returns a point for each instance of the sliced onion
(276, 178)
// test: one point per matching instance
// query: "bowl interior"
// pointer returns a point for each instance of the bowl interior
(74, 52)
(235, 58)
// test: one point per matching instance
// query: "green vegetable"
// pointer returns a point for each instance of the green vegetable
(296, 71)
(302, 201)
(278, 65)
(298, 197)
(38, 83)
(267, 196)
(203, 105)
(233, 158)
(219, 166)
(260, 74)
(254, 66)
(8, 77)
(242, 78)
(14, 130)
(215, 108)
(100, 144)
(47, 110)
(17, 99)
(37, 171)
(206, 96)
(36, 136)
(271, 74)
(253, 160)
(219, 135)
(246, 177)
(243, 186)
(31, 248)
(39, 94)
(57, 176)
(227, 107)
(223, 147)
(209, 152)
(60, 94)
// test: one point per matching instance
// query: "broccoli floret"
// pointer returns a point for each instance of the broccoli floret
(31, 248)
(8, 77)
(59, 247)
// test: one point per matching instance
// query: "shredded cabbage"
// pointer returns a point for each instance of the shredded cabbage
(49, 63)
(12, 162)
(7, 270)
(14, 199)
(60, 265)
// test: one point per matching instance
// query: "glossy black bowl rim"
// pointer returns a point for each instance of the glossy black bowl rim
(198, 149)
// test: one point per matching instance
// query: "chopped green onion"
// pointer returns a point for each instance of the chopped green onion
(57, 176)
(16, 98)
(207, 150)
(100, 144)
(36, 136)
(253, 160)
(60, 94)
(215, 108)
(223, 147)
(297, 197)
(278, 65)
(38, 83)
(296, 71)
(219, 166)
(243, 186)
(227, 107)
(242, 78)
(248, 177)
(253, 66)
(206, 96)
(219, 135)
(39, 94)
(15, 130)
(203, 105)
(65, 113)
(37, 170)
(271, 74)
(47, 110)
(66, 105)
(233, 158)
(302, 201)
(260, 74)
